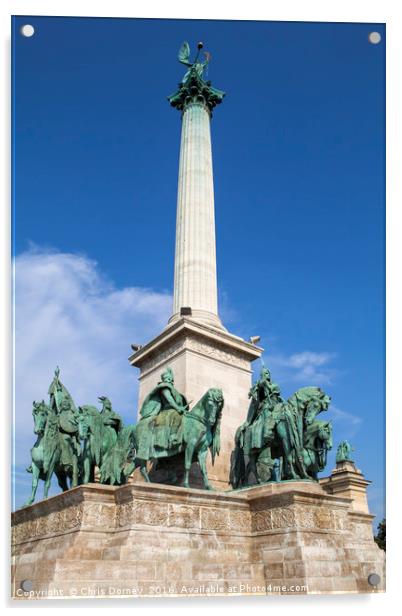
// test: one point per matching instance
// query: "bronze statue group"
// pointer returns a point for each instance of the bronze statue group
(279, 440)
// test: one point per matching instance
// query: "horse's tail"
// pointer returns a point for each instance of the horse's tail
(237, 467)
(126, 442)
(324, 458)
(97, 437)
(216, 437)
(216, 441)
(116, 459)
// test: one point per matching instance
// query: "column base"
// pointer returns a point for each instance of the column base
(200, 316)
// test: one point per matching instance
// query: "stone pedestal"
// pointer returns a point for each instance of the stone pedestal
(201, 357)
(348, 481)
(150, 539)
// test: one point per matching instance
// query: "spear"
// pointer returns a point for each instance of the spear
(199, 47)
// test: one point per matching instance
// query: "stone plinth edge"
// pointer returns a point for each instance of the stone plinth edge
(154, 539)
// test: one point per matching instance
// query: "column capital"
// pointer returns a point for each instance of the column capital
(194, 89)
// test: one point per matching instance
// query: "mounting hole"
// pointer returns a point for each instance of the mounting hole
(27, 30)
(374, 579)
(26, 585)
(374, 38)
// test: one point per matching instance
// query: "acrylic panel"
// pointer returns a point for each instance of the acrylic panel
(199, 271)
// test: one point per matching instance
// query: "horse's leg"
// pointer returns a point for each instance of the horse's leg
(35, 481)
(129, 468)
(240, 468)
(247, 471)
(143, 470)
(237, 470)
(202, 456)
(74, 481)
(311, 464)
(188, 459)
(87, 468)
(48, 481)
(289, 470)
(252, 467)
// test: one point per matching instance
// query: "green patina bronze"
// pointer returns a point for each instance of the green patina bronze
(281, 440)
(167, 428)
(106, 443)
(58, 392)
(56, 450)
(344, 452)
(193, 88)
(72, 442)
(98, 431)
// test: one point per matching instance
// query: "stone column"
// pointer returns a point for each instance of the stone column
(195, 345)
(195, 284)
(195, 287)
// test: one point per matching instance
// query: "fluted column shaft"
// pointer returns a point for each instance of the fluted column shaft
(195, 283)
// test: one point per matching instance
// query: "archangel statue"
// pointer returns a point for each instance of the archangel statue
(193, 87)
(196, 66)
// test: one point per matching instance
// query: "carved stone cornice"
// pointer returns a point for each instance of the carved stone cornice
(188, 335)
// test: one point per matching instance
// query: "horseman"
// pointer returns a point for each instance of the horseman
(264, 396)
(62, 404)
(299, 415)
(58, 392)
(109, 417)
(161, 417)
(164, 396)
(68, 430)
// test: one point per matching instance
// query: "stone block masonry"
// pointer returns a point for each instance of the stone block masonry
(159, 540)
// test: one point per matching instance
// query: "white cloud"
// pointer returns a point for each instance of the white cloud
(68, 314)
(349, 422)
(307, 367)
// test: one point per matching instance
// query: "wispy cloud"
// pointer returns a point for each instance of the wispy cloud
(307, 367)
(348, 422)
(68, 313)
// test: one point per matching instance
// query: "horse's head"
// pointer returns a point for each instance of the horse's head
(310, 401)
(106, 404)
(324, 434)
(213, 405)
(40, 414)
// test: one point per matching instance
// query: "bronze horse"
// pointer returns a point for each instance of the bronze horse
(199, 430)
(55, 451)
(287, 433)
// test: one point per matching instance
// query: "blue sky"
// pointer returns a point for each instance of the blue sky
(299, 156)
